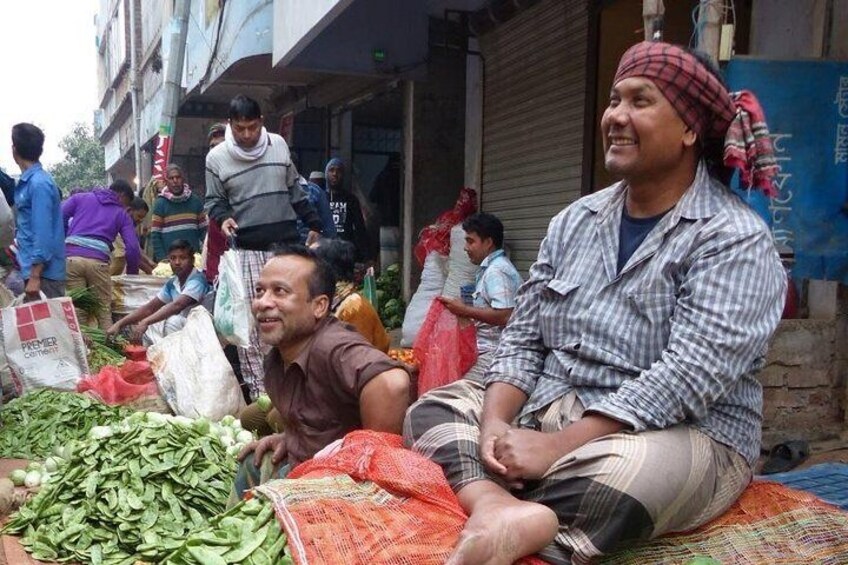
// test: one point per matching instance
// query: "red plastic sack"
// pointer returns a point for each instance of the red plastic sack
(446, 348)
(436, 236)
(121, 385)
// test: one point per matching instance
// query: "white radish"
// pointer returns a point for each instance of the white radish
(32, 479)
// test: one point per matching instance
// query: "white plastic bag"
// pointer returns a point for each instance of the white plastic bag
(131, 292)
(432, 282)
(194, 376)
(233, 319)
(43, 345)
(461, 271)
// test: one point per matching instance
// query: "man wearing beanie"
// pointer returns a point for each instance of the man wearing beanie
(346, 211)
(622, 402)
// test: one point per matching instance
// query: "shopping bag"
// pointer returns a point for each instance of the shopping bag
(233, 319)
(193, 373)
(369, 288)
(43, 344)
(446, 348)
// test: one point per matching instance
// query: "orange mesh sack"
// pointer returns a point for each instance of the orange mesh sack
(370, 502)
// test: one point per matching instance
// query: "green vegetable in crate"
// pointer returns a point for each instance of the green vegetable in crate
(131, 491)
(247, 533)
(33, 425)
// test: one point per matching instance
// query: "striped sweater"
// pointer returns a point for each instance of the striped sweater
(176, 220)
(262, 195)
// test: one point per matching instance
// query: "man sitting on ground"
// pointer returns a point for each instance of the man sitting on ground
(622, 402)
(348, 305)
(183, 291)
(494, 292)
(322, 378)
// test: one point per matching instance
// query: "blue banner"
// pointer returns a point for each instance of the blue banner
(806, 107)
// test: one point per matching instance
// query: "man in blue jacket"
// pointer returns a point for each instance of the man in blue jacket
(40, 232)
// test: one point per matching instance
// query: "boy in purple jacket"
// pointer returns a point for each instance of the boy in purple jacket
(92, 221)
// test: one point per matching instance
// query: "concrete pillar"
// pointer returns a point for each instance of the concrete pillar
(653, 12)
(788, 29)
(709, 26)
(473, 117)
(146, 168)
(408, 193)
(837, 47)
(346, 143)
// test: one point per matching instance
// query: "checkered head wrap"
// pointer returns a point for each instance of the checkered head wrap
(705, 105)
(700, 99)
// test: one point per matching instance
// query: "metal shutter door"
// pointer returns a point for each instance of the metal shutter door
(533, 111)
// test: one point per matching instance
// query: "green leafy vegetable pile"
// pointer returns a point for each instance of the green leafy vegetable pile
(86, 301)
(131, 491)
(32, 426)
(103, 351)
(247, 533)
(391, 306)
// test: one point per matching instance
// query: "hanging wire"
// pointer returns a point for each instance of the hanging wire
(728, 7)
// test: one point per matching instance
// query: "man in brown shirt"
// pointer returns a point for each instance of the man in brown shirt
(324, 378)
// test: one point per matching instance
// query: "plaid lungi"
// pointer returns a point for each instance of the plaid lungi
(614, 490)
(250, 476)
(252, 356)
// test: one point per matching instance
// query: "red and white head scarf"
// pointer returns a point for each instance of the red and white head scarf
(706, 107)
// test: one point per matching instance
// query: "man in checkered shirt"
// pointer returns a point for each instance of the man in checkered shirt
(622, 401)
(497, 282)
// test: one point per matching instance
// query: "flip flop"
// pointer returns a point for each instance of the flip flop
(786, 456)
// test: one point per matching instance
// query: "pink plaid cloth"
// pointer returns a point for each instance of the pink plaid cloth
(705, 105)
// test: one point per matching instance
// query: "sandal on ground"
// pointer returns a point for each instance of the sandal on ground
(785, 457)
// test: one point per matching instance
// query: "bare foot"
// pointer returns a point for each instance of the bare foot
(501, 531)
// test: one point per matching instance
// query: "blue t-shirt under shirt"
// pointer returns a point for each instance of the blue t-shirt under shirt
(632, 233)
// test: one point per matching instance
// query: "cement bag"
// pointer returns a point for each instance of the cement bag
(131, 292)
(194, 375)
(43, 345)
(432, 282)
(233, 319)
(461, 271)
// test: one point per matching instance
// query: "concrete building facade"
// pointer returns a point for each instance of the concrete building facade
(502, 96)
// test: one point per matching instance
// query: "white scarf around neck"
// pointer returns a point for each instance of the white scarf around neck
(243, 154)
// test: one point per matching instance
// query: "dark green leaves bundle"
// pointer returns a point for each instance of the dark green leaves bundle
(131, 492)
(85, 299)
(33, 425)
(247, 533)
(103, 351)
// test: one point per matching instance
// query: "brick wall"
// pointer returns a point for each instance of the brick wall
(804, 381)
